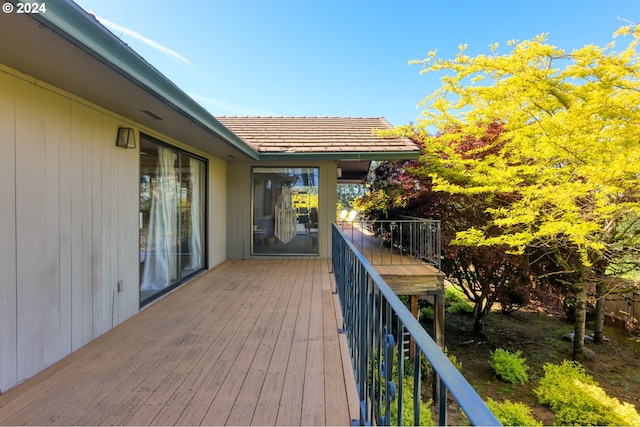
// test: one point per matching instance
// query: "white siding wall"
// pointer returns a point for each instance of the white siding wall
(239, 228)
(69, 224)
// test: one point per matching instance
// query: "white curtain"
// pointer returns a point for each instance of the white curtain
(285, 224)
(160, 267)
(195, 240)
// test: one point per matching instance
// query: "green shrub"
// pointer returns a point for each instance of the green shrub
(456, 301)
(577, 399)
(426, 418)
(512, 414)
(426, 313)
(510, 367)
(453, 359)
(425, 365)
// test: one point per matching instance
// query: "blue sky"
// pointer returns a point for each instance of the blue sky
(335, 57)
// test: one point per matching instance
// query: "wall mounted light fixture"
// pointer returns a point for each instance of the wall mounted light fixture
(126, 138)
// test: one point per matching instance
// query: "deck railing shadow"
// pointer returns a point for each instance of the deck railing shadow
(376, 323)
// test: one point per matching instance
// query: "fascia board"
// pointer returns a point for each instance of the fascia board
(400, 155)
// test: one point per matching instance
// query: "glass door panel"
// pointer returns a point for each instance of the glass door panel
(172, 201)
(192, 215)
(285, 211)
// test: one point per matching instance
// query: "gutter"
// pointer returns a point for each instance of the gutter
(353, 155)
(73, 24)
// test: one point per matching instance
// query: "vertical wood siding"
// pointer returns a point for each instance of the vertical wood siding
(217, 212)
(68, 227)
(239, 212)
(8, 291)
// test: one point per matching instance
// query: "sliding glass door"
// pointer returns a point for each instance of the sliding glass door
(285, 211)
(172, 201)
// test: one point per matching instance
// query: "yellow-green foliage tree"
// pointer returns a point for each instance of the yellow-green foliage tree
(568, 160)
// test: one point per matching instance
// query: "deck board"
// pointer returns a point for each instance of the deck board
(249, 342)
(290, 406)
(206, 351)
(267, 406)
(313, 398)
(245, 404)
(336, 410)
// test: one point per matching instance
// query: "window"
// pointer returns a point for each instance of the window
(172, 212)
(285, 211)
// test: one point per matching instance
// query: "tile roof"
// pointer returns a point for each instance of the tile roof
(297, 135)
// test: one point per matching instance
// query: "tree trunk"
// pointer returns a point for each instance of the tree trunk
(479, 311)
(477, 325)
(579, 323)
(598, 330)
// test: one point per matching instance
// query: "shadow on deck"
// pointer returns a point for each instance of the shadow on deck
(247, 343)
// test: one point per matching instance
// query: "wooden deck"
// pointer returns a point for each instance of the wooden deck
(247, 343)
(405, 274)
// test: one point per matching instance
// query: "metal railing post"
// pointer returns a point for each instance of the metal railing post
(400, 353)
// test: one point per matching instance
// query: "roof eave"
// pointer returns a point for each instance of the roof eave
(378, 156)
(73, 24)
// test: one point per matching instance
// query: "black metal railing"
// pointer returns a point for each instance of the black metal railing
(388, 242)
(376, 324)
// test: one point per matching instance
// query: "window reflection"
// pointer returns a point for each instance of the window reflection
(171, 217)
(285, 211)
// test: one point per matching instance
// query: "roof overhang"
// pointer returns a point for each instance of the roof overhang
(342, 156)
(351, 142)
(68, 48)
(353, 171)
(353, 167)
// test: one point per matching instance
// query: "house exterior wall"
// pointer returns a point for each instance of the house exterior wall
(217, 212)
(69, 224)
(239, 195)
